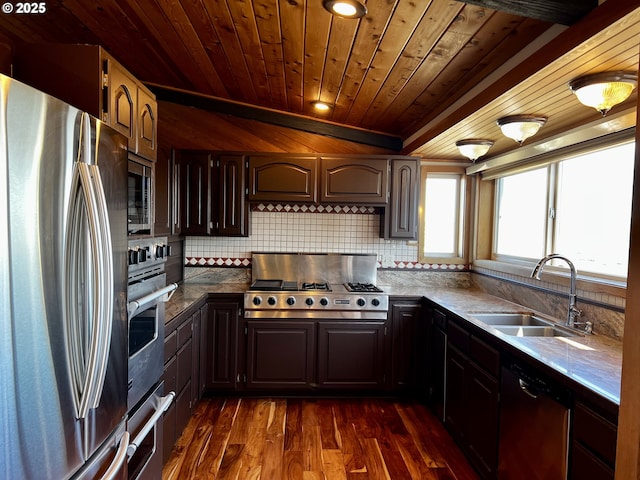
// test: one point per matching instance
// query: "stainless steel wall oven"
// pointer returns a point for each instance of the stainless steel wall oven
(147, 293)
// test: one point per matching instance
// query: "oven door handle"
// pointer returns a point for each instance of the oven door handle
(165, 402)
(135, 306)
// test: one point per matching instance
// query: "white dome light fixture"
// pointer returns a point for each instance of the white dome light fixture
(474, 148)
(345, 8)
(520, 127)
(604, 90)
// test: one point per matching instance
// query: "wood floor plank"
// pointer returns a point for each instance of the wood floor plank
(315, 439)
(293, 426)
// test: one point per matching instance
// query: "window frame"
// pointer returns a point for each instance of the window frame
(483, 257)
(463, 210)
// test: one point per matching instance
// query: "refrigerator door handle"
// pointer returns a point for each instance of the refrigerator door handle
(106, 287)
(89, 316)
(119, 459)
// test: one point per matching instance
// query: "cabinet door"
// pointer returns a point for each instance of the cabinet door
(404, 318)
(482, 418)
(221, 357)
(147, 125)
(456, 393)
(122, 100)
(196, 318)
(230, 204)
(194, 191)
(437, 362)
(283, 179)
(280, 354)
(401, 215)
(354, 181)
(351, 355)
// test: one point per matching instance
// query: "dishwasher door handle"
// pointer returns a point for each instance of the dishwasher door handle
(526, 388)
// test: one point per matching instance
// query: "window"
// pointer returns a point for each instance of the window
(442, 223)
(579, 207)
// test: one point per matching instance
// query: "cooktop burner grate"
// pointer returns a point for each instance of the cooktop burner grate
(362, 287)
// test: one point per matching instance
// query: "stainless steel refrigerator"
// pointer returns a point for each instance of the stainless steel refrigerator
(63, 292)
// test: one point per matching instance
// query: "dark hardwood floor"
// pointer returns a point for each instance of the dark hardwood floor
(332, 439)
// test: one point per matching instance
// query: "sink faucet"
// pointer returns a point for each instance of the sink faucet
(573, 311)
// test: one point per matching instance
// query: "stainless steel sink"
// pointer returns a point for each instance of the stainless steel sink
(524, 325)
(521, 319)
(534, 331)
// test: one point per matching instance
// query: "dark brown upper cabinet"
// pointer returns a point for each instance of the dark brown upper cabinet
(354, 180)
(400, 218)
(230, 210)
(211, 193)
(90, 79)
(283, 178)
(194, 191)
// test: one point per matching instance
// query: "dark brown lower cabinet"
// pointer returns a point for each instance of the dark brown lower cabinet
(593, 448)
(408, 345)
(472, 397)
(351, 355)
(223, 348)
(280, 354)
(182, 354)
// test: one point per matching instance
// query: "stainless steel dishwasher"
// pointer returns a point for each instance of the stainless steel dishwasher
(534, 425)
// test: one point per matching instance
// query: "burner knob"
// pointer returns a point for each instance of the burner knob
(159, 251)
(324, 301)
(271, 301)
(361, 302)
(375, 302)
(309, 301)
(291, 301)
(133, 256)
(257, 300)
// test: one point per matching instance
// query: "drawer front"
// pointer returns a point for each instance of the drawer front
(169, 375)
(595, 433)
(585, 466)
(170, 345)
(440, 320)
(184, 363)
(486, 357)
(458, 336)
(184, 332)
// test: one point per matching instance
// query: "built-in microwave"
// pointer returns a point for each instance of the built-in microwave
(140, 196)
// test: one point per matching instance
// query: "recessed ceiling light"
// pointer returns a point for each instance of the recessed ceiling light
(321, 106)
(345, 8)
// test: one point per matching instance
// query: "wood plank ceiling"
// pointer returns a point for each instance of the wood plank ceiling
(396, 71)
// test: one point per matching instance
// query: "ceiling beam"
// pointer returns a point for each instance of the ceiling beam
(297, 122)
(564, 12)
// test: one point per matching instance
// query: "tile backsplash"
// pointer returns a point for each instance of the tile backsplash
(307, 229)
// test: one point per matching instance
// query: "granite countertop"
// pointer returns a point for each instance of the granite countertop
(594, 361)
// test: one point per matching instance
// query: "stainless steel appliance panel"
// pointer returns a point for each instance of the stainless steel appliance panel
(534, 427)
(146, 338)
(62, 285)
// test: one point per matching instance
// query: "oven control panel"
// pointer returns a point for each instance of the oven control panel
(146, 253)
(315, 301)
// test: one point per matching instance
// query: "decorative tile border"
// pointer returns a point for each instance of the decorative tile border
(302, 208)
(246, 262)
(217, 262)
(427, 266)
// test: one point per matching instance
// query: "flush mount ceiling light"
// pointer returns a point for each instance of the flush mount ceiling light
(604, 90)
(474, 148)
(321, 106)
(520, 127)
(345, 8)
